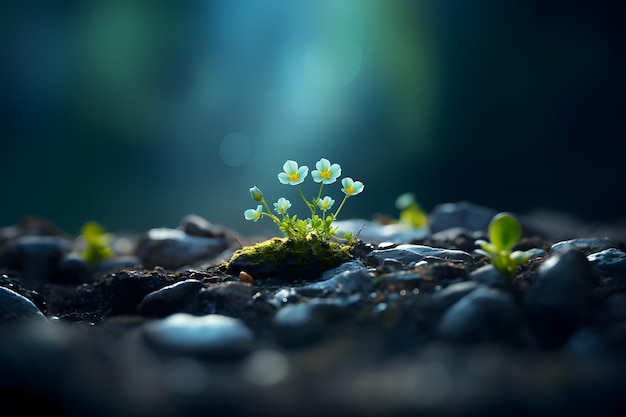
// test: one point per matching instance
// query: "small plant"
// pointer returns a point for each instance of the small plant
(98, 243)
(504, 233)
(411, 213)
(320, 224)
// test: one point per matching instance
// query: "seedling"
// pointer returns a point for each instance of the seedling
(98, 243)
(504, 233)
(411, 213)
(320, 224)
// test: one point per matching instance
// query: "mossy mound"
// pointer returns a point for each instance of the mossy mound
(289, 259)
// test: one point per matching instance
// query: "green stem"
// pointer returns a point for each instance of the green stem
(269, 212)
(319, 195)
(341, 206)
(309, 205)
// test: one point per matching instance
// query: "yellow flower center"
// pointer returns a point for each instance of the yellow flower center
(350, 190)
(325, 174)
(293, 176)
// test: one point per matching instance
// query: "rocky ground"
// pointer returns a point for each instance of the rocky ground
(414, 323)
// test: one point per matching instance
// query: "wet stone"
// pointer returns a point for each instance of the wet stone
(462, 214)
(301, 324)
(195, 225)
(169, 299)
(586, 245)
(400, 280)
(346, 266)
(585, 341)
(449, 295)
(37, 256)
(559, 300)
(15, 306)
(173, 248)
(409, 253)
(229, 298)
(212, 335)
(609, 262)
(484, 314)
(347, 282)
(285, 296)
(491, 277)
(73, 269)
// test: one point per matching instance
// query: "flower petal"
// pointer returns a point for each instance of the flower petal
(283, 178)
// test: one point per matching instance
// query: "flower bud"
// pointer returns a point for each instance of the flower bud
(256, 194)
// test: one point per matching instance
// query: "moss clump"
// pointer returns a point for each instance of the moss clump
(289, 259)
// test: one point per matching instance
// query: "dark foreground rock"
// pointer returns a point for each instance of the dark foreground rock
(423, 326)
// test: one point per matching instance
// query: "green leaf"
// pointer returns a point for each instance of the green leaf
(92, 232)
(504, 231)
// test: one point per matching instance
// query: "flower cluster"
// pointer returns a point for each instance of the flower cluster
(320, 225)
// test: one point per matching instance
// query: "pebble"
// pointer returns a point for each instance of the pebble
(484, 314)
(586, 245)
(173, 248)
(462, 214)
(610, 262)
(15, 306)
(37, 256)
(449, 295)
(408, 253)
(285, 296)
(491, 277)
(344, 283)
(74, 269)
(212, 336)
(169, 299)
(400, 280)
(346, 266)
(301, 324)
(559, 300)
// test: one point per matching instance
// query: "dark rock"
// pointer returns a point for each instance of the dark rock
(300, 324)
(609, 262)
(344, 283)
(14, 306)
(484, 314)
(37, 256)
(491, 277)
(586, 245)
(169, 299)
(463, 214)
(210, 336)
(73, 269)
(407, 254)
(346, 266)
(446, 297)
(559, 301)
(172, 248)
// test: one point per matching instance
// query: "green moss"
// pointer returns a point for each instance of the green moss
(289, 259)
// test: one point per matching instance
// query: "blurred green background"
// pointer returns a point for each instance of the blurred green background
(136, 113)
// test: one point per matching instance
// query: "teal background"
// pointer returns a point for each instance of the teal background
(135, 113)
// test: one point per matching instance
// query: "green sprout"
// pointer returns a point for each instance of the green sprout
(98, 243)
(504, 233)
(411, 213)
(320, 224)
